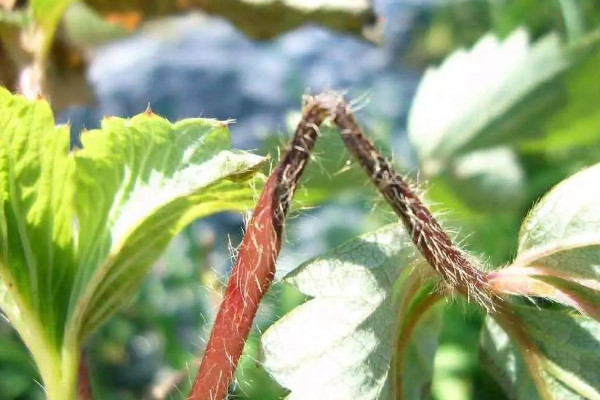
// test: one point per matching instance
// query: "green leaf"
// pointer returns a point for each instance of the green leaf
(559, 247)
(37, 249)
(558, 259)
(563, 351)
(156, 178)
(575, 127)
(36, 219)
(79, 230)
(341, 344)
(496, 93)
(562, 232)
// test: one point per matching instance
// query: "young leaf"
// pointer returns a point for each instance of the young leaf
(36, 219)
(557, 359)
(78, 231)
(155, 178)
(491, 94)
(559, 238)
(563, 231)
(341, 344)
(558, 259)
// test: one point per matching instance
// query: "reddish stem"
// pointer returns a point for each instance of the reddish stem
(250, 278)
(457, 269)
(254, 268)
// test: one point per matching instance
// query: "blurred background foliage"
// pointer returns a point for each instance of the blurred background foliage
(253, 61)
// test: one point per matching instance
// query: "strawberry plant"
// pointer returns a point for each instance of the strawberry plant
(80, 228)
(370, 328)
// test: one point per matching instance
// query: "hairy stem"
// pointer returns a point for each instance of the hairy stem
(457, 269)
(254, 268)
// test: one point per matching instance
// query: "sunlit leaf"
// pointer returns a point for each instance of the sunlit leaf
(36, 220)
(562, 231)
(495, 93)
(558, 259)
(79, 230)
(341, 343)
(155, 178)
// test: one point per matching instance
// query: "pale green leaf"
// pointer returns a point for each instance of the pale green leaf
(568, 355)
(559, 259)
(495, 93)
(79, 230)
(36, 218)
(139, 182)
(562, 231)
(341, 343)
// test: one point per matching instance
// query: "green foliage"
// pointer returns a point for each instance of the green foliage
(483, 124)
(496, 94)
(340, 344)
(557, 259)
(561, 232)
(563, 355)
(534, 100)
(81, 229)
(476, 99)
(157, 178)
(493, 128)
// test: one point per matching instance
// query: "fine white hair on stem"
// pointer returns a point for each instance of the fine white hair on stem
(457, 268)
